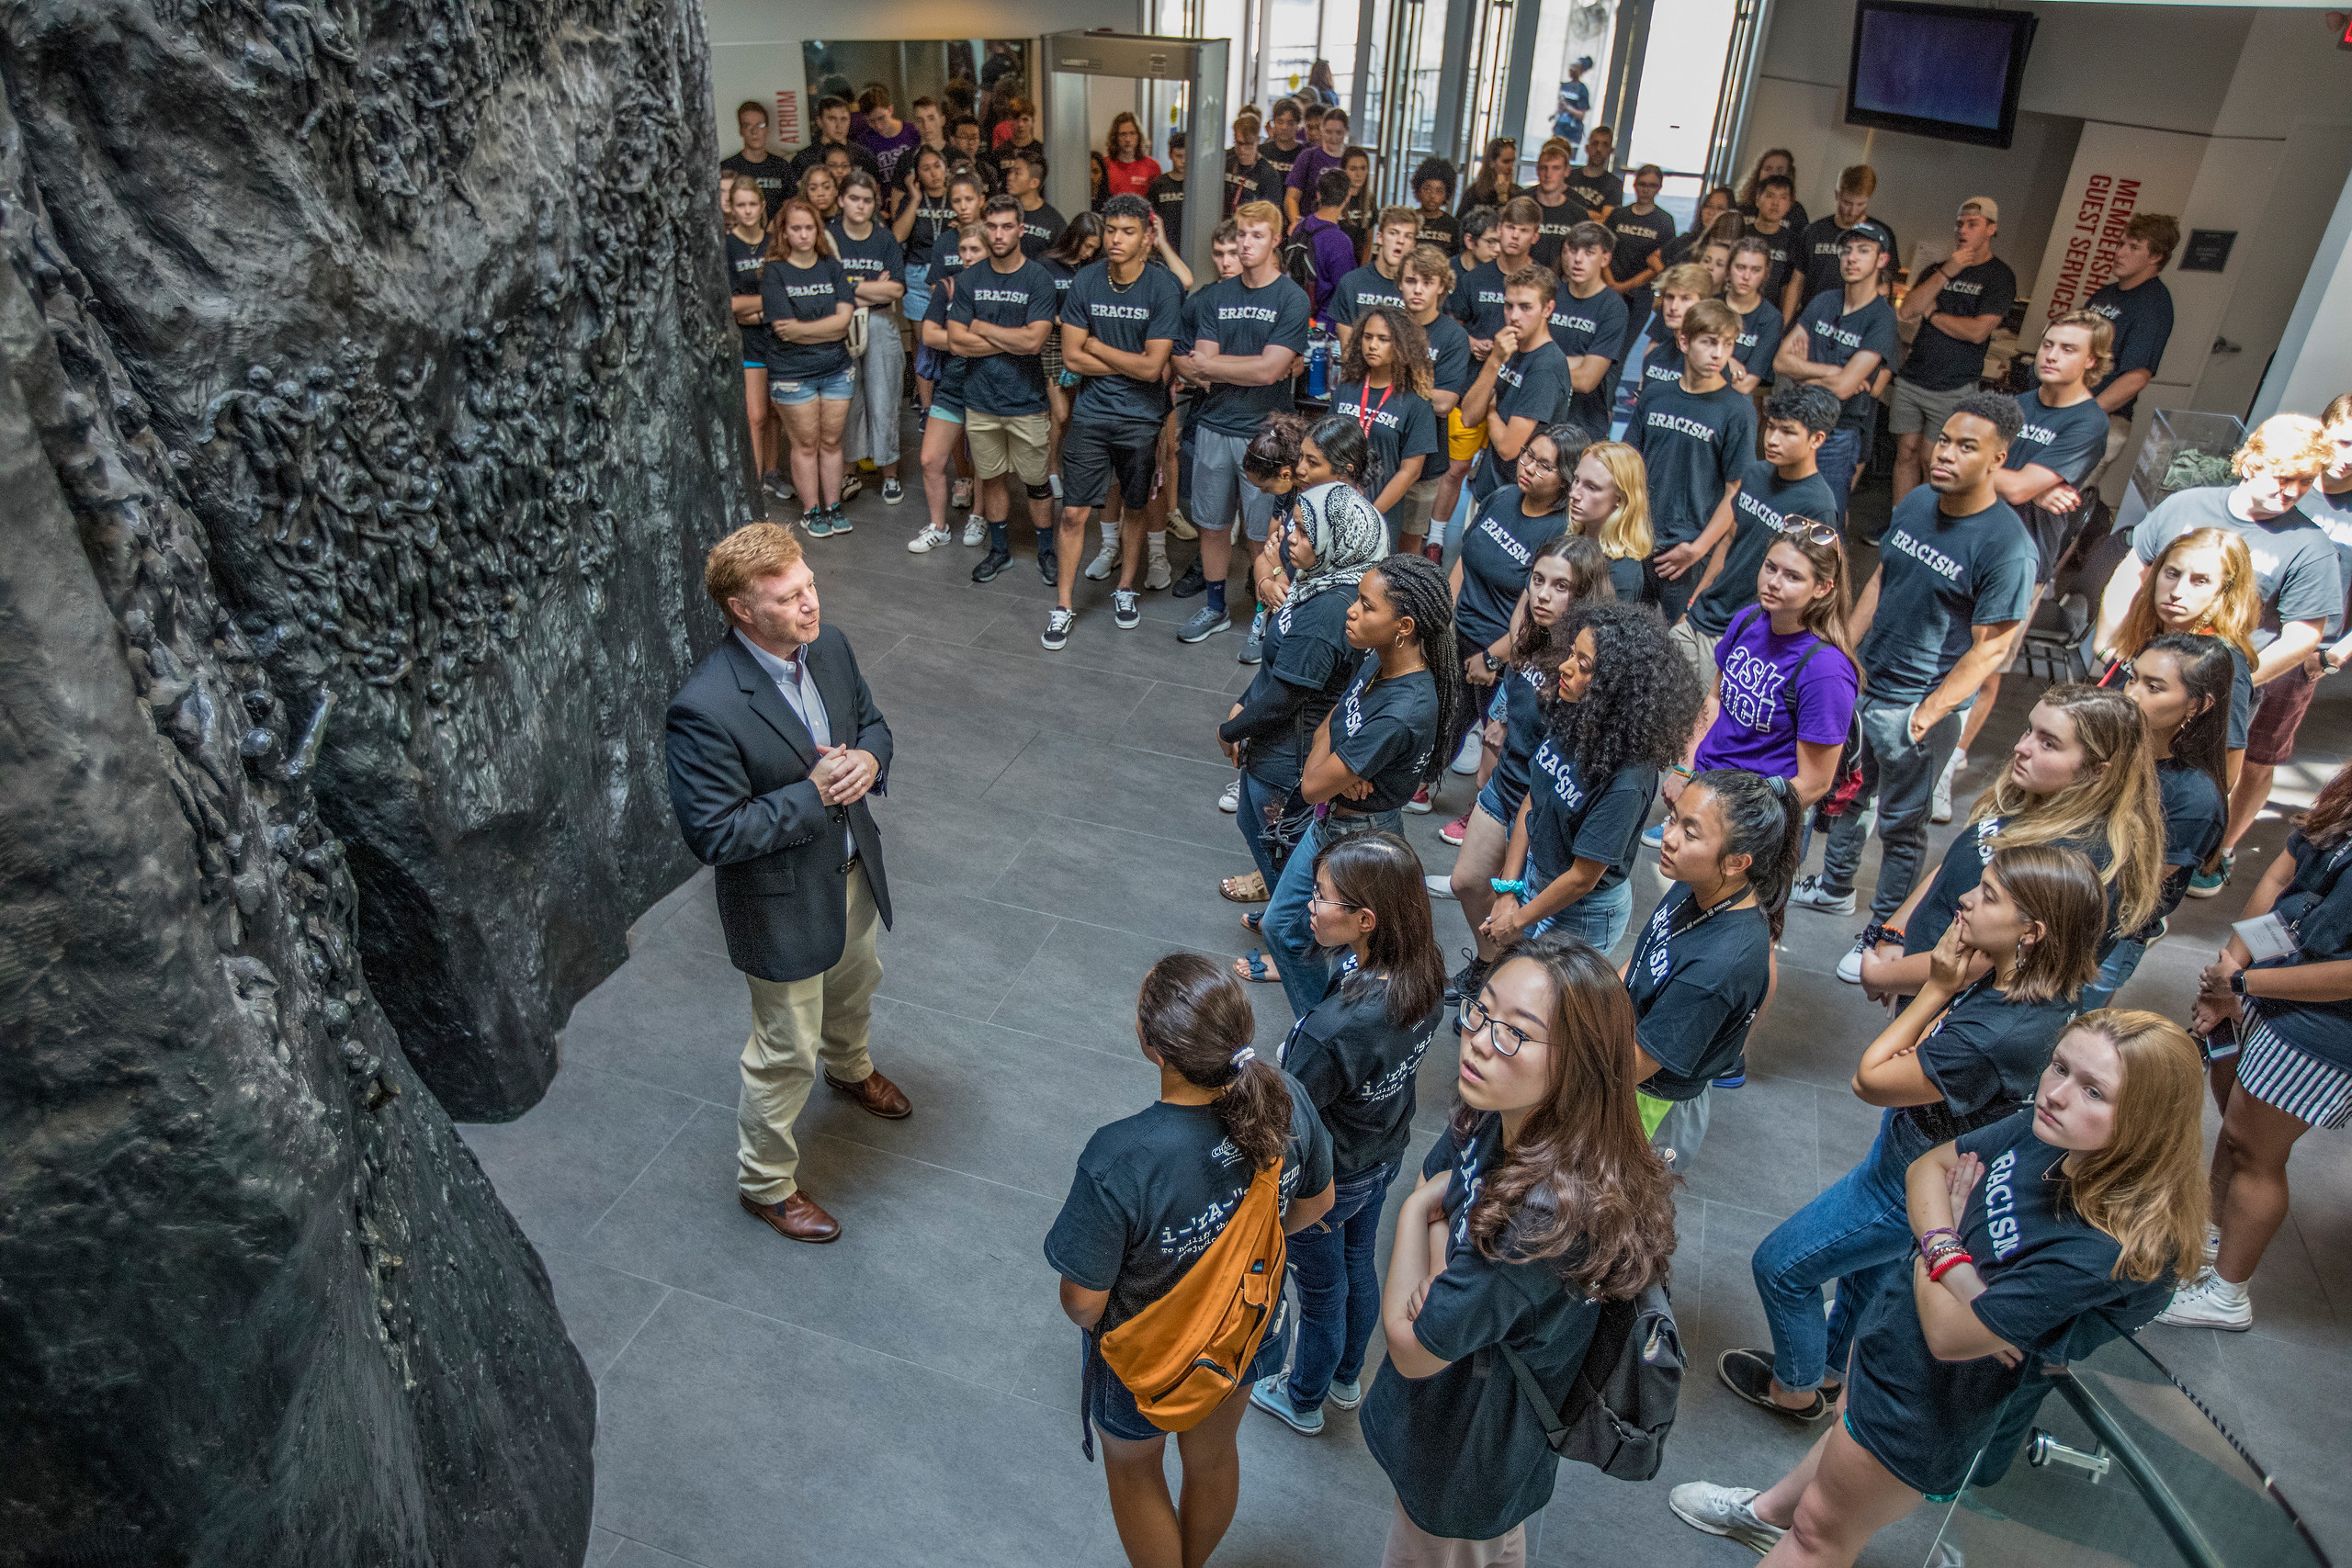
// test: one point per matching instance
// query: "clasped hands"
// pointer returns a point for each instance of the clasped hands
(843, 774)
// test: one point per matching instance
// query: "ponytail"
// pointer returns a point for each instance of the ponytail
(1195, 1017)
(1763, 820)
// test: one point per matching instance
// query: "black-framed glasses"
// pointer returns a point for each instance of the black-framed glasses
(1506, 1038)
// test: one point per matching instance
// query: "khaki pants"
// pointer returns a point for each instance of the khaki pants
(794, 1024)
(1698, 649)
(1409, 1546)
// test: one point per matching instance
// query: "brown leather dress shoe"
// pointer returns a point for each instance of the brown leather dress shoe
(878, 1094)
(797, 1217)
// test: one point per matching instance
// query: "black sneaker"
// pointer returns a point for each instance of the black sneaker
(1194, 582)
(992, 565)
(1049, 568)
(1468, 980)
(1057, 631)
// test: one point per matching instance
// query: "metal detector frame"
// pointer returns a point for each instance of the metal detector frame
(1070, 58)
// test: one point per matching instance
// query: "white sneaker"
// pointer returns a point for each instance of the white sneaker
(1808, 892)
(2210, 1302)
(1181, 525)
(1850, 968)
(1466, 760)
(1725, 1511)
(1230, 801)
(1156, 575)
(975, 531)
(1440, 887)
(1106, 562)
(1939, 802)
(928, 540)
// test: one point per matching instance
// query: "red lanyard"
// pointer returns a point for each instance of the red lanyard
(1364, 416)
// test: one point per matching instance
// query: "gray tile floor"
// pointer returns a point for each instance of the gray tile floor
(908, 1393)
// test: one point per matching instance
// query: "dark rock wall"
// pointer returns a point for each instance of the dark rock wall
(366, 400)
(427, 305)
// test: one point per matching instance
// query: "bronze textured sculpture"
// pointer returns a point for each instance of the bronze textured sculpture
(367, 401)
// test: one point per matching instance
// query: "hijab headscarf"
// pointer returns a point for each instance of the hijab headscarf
(1349, 536)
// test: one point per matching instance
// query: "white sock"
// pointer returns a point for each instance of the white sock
(1437, 532)
(1159, 543)
(1110, 534)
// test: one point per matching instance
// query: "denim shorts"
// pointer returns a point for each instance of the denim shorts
(1113, 1408)
(832, 388)
(1490, 800)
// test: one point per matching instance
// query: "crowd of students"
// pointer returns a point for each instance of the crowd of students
(1673, 615)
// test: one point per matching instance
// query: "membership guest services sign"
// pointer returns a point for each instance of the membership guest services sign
(2117, 173)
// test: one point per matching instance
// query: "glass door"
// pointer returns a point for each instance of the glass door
(1400, 97)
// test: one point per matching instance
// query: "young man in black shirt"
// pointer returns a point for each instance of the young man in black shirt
(1774, 193)
(1283, 151)
(1820, 244)
(1248, 176)
(1024, 176)
(1589, 323)
(1942, 611)
(771, 173)
(1958, 306)
(1478, 298)
(1844, 341)
(1557, 211)
(1165, 192)
(2139, 305)
(1695, 435)
(1001, 314)
(832, 131)
(1118, 327)
(1524, 382)
(1641, 229)
(1601, 192)
(1379, 281)
(963, 140)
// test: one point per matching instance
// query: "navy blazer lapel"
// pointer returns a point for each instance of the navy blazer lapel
(768, 703)
(832, 676)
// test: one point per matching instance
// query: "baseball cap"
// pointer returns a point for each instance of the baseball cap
(1873, 229)
(1983, 207)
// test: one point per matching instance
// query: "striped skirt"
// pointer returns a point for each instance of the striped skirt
(2286, 1077)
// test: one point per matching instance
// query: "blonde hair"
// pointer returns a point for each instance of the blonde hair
(2115, 797)
(2102, 333)
(1426, 261)
(1688, 278)
(2235, 612)
(750, 553)
(2293, 445)
(2146, 1188)
(1264, 214)
(1626, 535)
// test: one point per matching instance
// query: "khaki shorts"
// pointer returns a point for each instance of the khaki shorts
(1916, 411)
(1698, 649)
(1411, 515)
(1005, 442)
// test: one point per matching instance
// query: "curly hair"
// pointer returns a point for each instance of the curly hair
(1435, 169)
(1644, 700)
(1409, 352)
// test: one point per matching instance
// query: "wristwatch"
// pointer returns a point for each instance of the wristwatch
(1875, 933)
(2237, 983)
(1493, 664)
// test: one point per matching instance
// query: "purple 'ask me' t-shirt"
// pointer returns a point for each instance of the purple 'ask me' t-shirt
(1760, 725)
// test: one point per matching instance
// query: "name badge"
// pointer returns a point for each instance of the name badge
(2267, 936)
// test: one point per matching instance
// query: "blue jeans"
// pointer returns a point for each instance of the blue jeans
(1598, 918)
(1840, 457)
(1899, 773)
(1858, 1232)
(1257, 797)
(1289, 932)
(2113, 970)
(1338, 1287)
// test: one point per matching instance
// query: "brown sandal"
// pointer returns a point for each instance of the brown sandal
(1249, 889)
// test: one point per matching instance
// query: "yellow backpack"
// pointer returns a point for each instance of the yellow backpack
(1185, 1354)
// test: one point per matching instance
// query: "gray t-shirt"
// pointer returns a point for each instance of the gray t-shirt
(2295, 569)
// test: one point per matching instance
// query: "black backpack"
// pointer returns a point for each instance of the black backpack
(1622, 1406)
(1298, 259)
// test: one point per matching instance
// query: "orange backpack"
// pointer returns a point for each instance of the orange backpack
(1183, 1355)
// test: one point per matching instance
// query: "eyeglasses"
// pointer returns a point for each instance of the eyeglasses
(1538, 464)
(1508, 1039)
(1818, 533)
(1316, 901)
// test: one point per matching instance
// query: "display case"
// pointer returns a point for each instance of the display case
(2184, 448)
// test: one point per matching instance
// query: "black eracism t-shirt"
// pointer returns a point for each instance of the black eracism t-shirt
(1835, 334)
(1551, 226)
(2043, 1268)
(1693, 444)
(1662, 363)
(1039, 230)
(1940, 362)
(1496, 557)
(1126, 320)
(1783, 244)
(1361, 289)
(1398, 425)
(744, 260)
(1305, 647)
(953, 368)
(772, 175)
(1463, 1447)
(2067, 440)
(1640, 235)
(1760, 516)
(1523, 724)
(1532, 384)
(1589, 326)
(1984, 1056)
(1963, 867)
(1759, 340)
(1166, 194)
(789, 293)
(2296, 574)
(1939, 577)
(2194, 810)
(1154, 1189)
(2142, 318)
(1006, 384)
(2317, 905)
(1358, 1067)
(1441, 230)
(1600, 193)
(1478, 300)
(1451, 368)
(1569, 817)
(874, 259)
(1244, 321)
(1697, 980)
(1384, 731)
(935, 220)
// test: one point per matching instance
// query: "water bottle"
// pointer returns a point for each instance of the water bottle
(1318, 364)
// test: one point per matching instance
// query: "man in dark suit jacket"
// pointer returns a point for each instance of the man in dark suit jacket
(774, 742)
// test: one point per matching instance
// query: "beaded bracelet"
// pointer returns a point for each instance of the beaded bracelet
(1940, 1230)
(1938, 1270)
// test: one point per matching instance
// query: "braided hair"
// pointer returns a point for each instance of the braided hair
(1420, 590)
